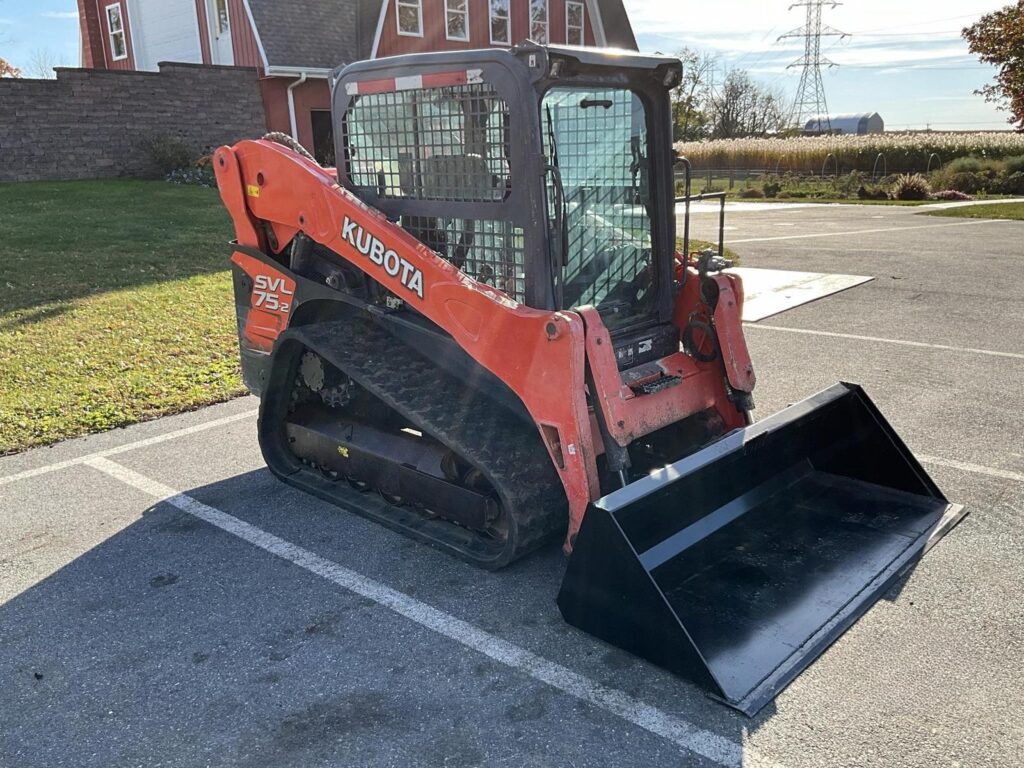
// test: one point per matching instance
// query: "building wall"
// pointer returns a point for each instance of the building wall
(243, 39)
(92, 44)
(99, 7)
(164, 31)
(96, 36)
(311, 95)
(204, 31)
(90, 124)
(435, 27)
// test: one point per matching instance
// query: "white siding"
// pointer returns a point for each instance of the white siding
(164, 30)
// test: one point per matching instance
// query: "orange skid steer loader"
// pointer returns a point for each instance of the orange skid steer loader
(478, 331)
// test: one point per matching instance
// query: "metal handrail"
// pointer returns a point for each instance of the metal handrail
(688, 198)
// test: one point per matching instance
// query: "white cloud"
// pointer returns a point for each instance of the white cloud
(750, 27)
(905, 58)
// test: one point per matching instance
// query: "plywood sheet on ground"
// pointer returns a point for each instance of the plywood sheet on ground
(770, 292)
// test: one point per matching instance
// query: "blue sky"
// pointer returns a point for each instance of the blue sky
(27, 26)
(905, 58)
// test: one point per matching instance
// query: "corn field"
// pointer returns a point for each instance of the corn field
(842, 154)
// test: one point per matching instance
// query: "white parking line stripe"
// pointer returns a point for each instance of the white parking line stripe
(680, 732)
(1003, 474)
(901, 342)
(128, 447)
(865, 231)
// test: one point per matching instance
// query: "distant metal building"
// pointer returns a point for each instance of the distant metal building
(859, 125)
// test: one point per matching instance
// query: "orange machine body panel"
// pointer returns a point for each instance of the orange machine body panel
(273, 194)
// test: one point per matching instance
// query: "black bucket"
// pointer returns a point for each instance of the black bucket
(738, 566)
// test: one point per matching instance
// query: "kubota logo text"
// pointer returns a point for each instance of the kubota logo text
(393, 264)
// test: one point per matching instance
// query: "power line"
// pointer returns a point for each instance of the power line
(810, 95)
(917, 68)
(922, 22)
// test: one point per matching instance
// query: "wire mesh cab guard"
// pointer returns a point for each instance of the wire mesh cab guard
(450, 145)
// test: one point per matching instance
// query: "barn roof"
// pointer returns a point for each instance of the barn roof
(324, 34)
(843, 121)
(314, 34)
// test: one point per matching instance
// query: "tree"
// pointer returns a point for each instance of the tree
(743, 108)
(998, 39)
(689, 118)
(42, 63)
(8, 70)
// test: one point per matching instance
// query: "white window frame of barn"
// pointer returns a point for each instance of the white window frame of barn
(113, 34)
(506, 5)
(451, 12)
(418, 5)
(571, 28)
(535, 21)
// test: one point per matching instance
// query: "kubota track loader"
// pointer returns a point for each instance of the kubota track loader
(477, 330)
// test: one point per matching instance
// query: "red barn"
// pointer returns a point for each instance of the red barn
(296, 45)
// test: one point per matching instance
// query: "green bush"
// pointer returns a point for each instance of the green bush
(1010, 184)
(964, 165)
(772, 187)
(849, 184)
(1014, 165)
(969, 183)
(911, 186)
(169, 154)
(973, 164)
(872, 192)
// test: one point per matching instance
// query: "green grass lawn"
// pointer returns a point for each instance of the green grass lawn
(840, 201)
(1013, 211)
(115, 306)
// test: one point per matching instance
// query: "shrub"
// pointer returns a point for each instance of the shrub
(170, 154)
(971, 183)
(964, 165)
(848, 185)
(911, 186)
(872, 192)
(753, 193)
(1014, 165)
(1011, 184)
(951, 195)
(772, 187)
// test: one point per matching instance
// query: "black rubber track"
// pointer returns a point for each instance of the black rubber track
(506, 450)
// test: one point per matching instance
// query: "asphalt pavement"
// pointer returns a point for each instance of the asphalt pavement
(165, 602)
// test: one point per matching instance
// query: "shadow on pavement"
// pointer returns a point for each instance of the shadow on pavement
(175, 643)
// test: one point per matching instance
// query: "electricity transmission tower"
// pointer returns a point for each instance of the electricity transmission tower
(810, 96)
